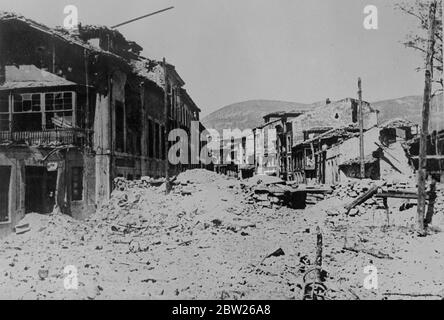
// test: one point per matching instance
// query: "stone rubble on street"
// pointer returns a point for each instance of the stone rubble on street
(211, 238)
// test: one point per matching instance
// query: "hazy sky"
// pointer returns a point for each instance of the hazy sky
(233, 50)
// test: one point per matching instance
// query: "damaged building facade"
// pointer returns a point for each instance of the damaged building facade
(288, 144)
(385, 157)
(78, 109)
(315, 131)
(272, 143)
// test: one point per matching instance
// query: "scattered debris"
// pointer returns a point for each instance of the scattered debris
(153, 245)
(379, 255)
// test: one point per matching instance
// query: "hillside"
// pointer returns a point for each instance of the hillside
(249, 114)
(410, 108)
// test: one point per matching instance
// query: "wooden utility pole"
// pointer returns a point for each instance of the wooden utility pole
(361, 131)
(166, 126)
(425, 120)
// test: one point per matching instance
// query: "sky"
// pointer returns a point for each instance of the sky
(229, 51)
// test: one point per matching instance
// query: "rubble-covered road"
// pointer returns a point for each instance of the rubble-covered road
(207, 240)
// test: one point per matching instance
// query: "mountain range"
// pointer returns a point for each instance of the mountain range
(249, 114)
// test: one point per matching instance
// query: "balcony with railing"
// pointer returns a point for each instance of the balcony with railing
(49, 137)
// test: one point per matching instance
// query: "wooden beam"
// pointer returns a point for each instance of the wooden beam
(431, 157)
(361, 132)
(362, 198)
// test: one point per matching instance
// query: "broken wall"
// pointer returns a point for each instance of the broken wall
(102, 148)
(333, 115)
(16, 190)
(18, 159)
(394, 163)
(349, 149)
(372, 171)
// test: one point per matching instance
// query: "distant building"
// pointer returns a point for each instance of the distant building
(310, 161)
(273, 142)
(316, 130)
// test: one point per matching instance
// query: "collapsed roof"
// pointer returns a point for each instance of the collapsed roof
(29, 76)
(397, 123)
(105, 41)
(343, 133)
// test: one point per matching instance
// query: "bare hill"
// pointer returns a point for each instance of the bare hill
(248, 114)
(411, 108)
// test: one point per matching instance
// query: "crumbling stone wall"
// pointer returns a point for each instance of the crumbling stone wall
(16, 192)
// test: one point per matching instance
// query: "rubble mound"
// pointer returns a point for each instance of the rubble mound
(200, 176)
(199, 199)
(263, 179)
(206, 240)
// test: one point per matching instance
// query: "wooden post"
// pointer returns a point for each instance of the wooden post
(425, 121)
(254, 150)
(86, 122)
(431, 203)
(318, 261)
(166, 126)
(361, 131)
(387, 211)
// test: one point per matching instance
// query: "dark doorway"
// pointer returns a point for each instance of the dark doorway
(40, 189)
(5, 175)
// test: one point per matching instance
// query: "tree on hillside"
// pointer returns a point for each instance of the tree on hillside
(418, 39)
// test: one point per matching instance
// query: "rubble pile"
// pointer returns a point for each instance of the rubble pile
(143, 209)
(272, 192)
(314, 198)
(264, 191)
(205, 239)
(122, 184)
(141, 242)
(346, 193)
(268, 197)
(351, 188)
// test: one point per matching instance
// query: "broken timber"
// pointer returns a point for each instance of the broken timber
(362, 198)
(379, 255)
(314, 288)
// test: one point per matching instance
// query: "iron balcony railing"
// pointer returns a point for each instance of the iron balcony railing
(63, 136)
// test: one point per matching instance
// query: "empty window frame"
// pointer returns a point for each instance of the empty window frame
(4, 112)
(157, 141)
(59, 107)
(120, 126)
(170, 100)
(27, 112)
(162, 142)
(77, 184)
(174, 103)
(37, 111)
(151, 138)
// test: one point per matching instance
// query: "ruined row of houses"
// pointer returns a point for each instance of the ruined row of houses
(78, 109)
(321, 145)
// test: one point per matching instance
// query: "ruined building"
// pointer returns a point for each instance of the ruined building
(316, 131)
(78, 109)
